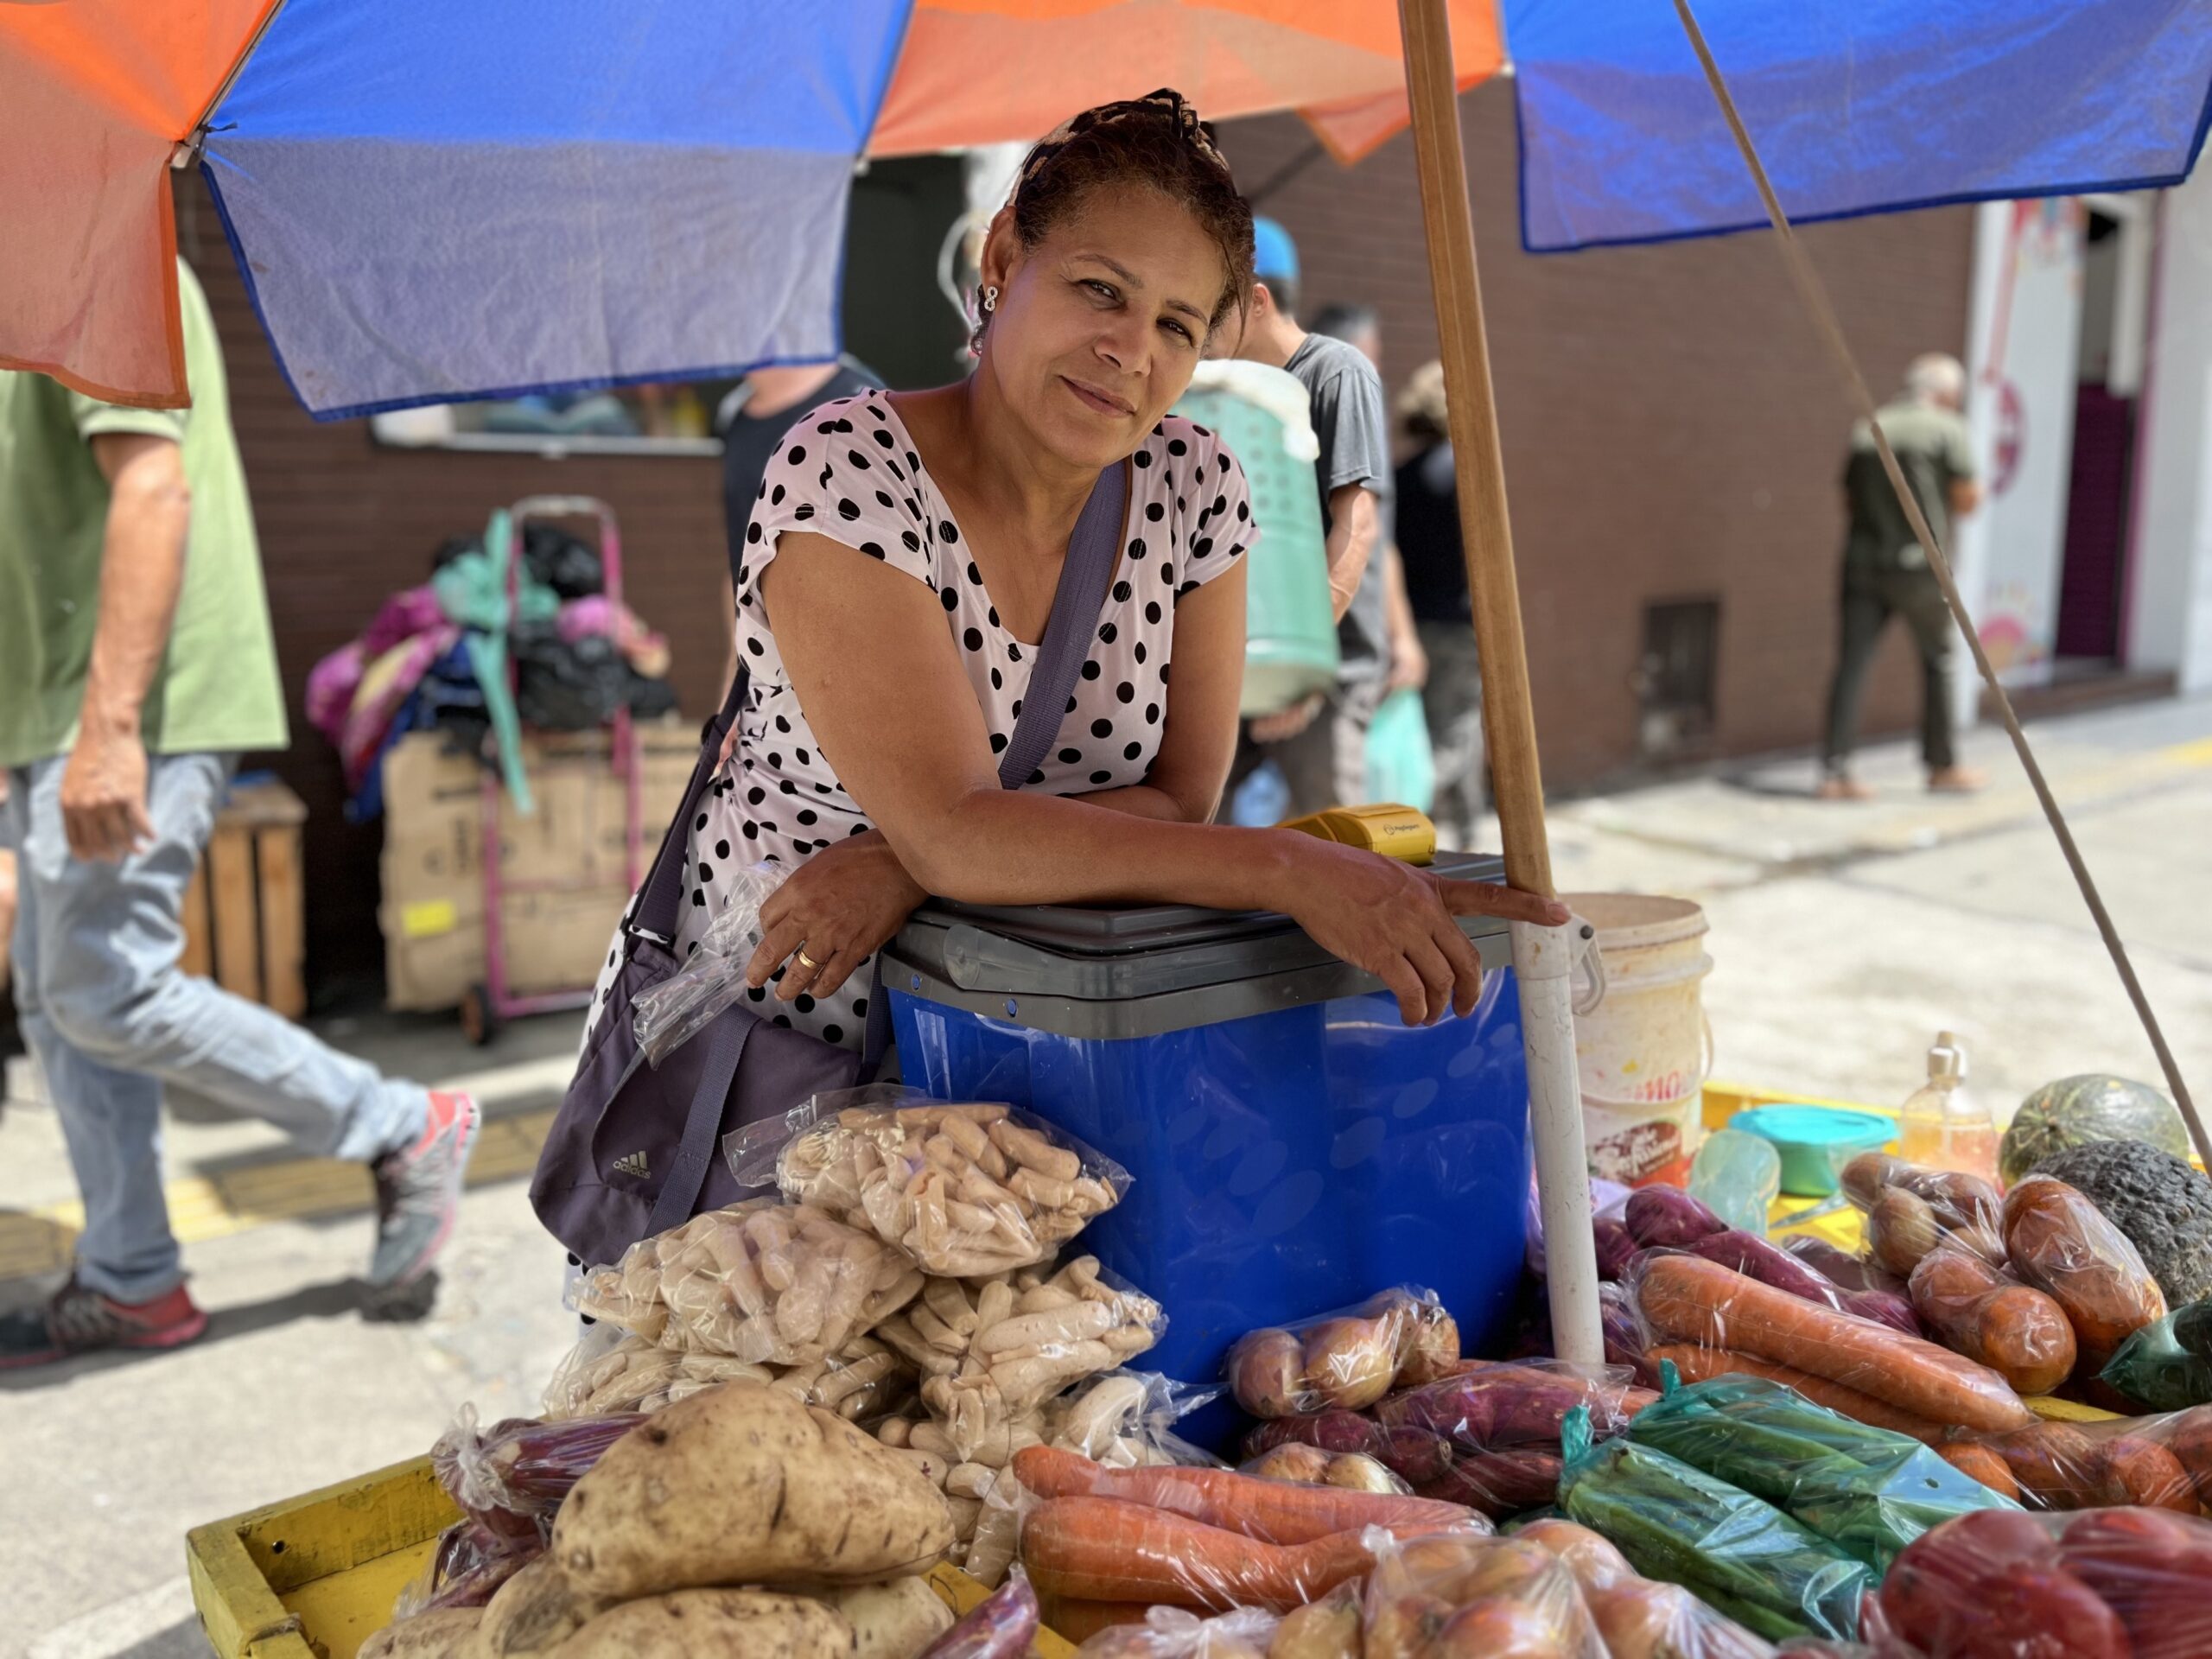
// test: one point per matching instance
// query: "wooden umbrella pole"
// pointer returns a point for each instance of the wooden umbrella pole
(1509, 717)
(1543, 956)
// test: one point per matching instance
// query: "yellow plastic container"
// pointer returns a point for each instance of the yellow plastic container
(314, 1577)
(1395, 831)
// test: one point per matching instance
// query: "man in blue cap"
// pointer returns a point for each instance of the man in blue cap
(1321, 744)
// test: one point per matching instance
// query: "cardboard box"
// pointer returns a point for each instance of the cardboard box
(564, 862)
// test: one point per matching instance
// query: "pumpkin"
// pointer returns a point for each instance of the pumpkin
(2074, 1111)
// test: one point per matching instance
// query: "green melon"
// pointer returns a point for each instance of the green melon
(2096, 1106)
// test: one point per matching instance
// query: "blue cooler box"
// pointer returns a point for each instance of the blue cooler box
(1294, 1147)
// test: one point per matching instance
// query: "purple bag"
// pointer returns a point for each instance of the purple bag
(632, 1150)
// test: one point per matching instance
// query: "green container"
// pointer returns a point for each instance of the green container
(1815, 1141)
(1290, 629)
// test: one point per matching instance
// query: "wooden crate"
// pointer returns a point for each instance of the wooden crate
(245, 913)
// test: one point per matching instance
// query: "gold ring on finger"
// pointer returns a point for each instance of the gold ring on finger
(807, 961)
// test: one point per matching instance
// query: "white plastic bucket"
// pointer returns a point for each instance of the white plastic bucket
(1643, 1052)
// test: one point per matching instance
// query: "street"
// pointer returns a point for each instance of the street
(1843, 935)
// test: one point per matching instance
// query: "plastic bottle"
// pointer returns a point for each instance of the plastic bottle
(1941, 1125)
(1737, 1176)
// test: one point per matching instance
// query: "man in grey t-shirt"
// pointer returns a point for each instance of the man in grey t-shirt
(1321, 745)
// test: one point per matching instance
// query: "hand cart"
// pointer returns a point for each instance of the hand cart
(484, 1005)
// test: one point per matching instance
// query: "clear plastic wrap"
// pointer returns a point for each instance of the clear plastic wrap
(1638, 1616)
(1497, 1408)
(1354, 1471)
(1346, 1360)
(1001, 1626)
(1661, 1217)
(511, 1477)
(670, 1014)
(466, 1567)
(1704, 1316)
(1910, 1210)
(1126, 1420)
(2167, 1366)
(1176, 1633)
(611, 1369)
(1986, 1313)
(1738, 1553)
(763, 1281)
(2156, 1462)
(2107, 1584)
(1459, 1596)
(2062, 1243)
(1869, 1491)
(966, 1190)
(1104, 1549)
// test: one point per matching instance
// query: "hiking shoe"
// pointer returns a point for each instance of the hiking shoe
(418, 1192)
(77, 1320)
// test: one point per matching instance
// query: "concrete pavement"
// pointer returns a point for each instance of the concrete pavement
(1843, 935)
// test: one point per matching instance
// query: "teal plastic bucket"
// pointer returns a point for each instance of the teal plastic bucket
(1815, 1141)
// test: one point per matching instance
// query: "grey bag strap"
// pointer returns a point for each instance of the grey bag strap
(1076, 604)
(679, 1192)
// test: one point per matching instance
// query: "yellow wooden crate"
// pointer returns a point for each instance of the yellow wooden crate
(314, 1577)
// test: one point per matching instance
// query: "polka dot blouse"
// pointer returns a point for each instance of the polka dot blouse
(849, 471)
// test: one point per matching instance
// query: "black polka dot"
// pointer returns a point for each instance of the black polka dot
(1167, 575)
(1133, 752)
(998, 743)
(1090, 669)
(754, 797)
(913, 542)
(1126, 692)
(1177, 447)
(782, 1021)
(1017, 708)
(1140, 653)
(706, 871)
(699, 900)
(858, 460)
(1101, 728)
(804, 1003)
(950, 599)
(849, 510)
(805, 816)
(1143, 457)
(1070, 757)
(994, 616)
(975, 575)
(1071, 705)
(1102, 776)
(721, 847)
(1203, 546)
(883, 498)
(702, 823)
(1121, 592)
(756, 993)
(998, 681)
(787, 787)
(1107, 634)
(775, 760)
(755, 647)
(946, 532)
(752, 832)
(1152, 612)
(874, 550)
(1013, 653)
(805, 510)
(826, 426)
(1155, 511)
(776, 496)
(1244, 511)
(837, 1034)
(802, 757)
(973, 638)
(753, 532)
(783, 725)
(1152, 714)
(1136, 548)
(796, 455)
(1038, 776)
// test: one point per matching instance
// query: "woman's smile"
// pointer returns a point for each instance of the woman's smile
(1104, 402)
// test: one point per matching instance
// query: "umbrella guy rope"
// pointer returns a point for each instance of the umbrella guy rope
(1815, 294)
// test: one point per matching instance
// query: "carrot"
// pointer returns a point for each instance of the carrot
(1697, 1364)
(1275, 1511)
(1695, 1301)
(1079, 1621)
(1981, 1464)
(1103, 1549)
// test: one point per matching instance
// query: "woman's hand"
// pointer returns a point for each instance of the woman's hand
(1397, 923)
(831, 914)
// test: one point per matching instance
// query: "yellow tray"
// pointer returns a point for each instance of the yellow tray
(314, 1577)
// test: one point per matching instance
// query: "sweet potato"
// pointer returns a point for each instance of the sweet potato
(1979, 1463)
(436, 1633)
(2061, 1243)
(2150, 1475)
(2018, 1333)
(1666, 1218)
(533, 1612)
(1589, 1555)
(742, 1485)
(2058, 1467)
(714, 1625)
(894, 1620)
(1499, 1483)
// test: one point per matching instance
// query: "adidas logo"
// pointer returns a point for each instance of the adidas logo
(635, 1165)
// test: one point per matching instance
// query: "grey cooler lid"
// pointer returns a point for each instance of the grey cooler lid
(1138, 972)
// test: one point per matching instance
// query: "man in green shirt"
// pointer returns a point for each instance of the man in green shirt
(135, 663)
(1886, 573)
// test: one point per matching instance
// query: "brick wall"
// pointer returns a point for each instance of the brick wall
(1672, 429)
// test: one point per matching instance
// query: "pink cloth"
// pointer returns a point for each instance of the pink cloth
(406, 613)
(644, 650)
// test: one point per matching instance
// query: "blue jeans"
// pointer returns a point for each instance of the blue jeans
(111, 1018)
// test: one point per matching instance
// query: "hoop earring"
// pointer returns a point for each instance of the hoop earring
(990, 299)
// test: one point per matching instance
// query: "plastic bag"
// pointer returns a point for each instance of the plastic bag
(1709, 1320)
(1125, 1420)
(1868, 1490)
(1001, 1626)
(1986, 1313)
(609, 1370)
(1636, 1615)
(761, 1281)
(1356, 1471)
(967, 1190)
(2156, 1462)
(1910, 1210)
(2063, 1245)
(1461, 1596)
(2107, 1584)
(670, 1014)
(466, 1568)
(1175, 1633)
(2167, 1365)
(1495, 1408)
(1346, 1360)
(511, 1477)
(1749, 1560)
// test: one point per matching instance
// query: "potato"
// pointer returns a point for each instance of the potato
(1500, 1627)
(1327, 1628)
(714, 1624)
(1265, 1373)
(533, 1612)
(1403, 1627)
(440, 1633)
(1589, 1555)
(895, 1620)
(742, 1485)
(1900, 1230)
(1357, 1472)
(1350, 1363)
(1292, 1460)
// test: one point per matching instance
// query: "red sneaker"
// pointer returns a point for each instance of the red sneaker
(77, 1320)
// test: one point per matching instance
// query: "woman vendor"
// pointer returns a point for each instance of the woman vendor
(899, 567)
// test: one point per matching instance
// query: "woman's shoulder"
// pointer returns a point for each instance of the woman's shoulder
(846, 469)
